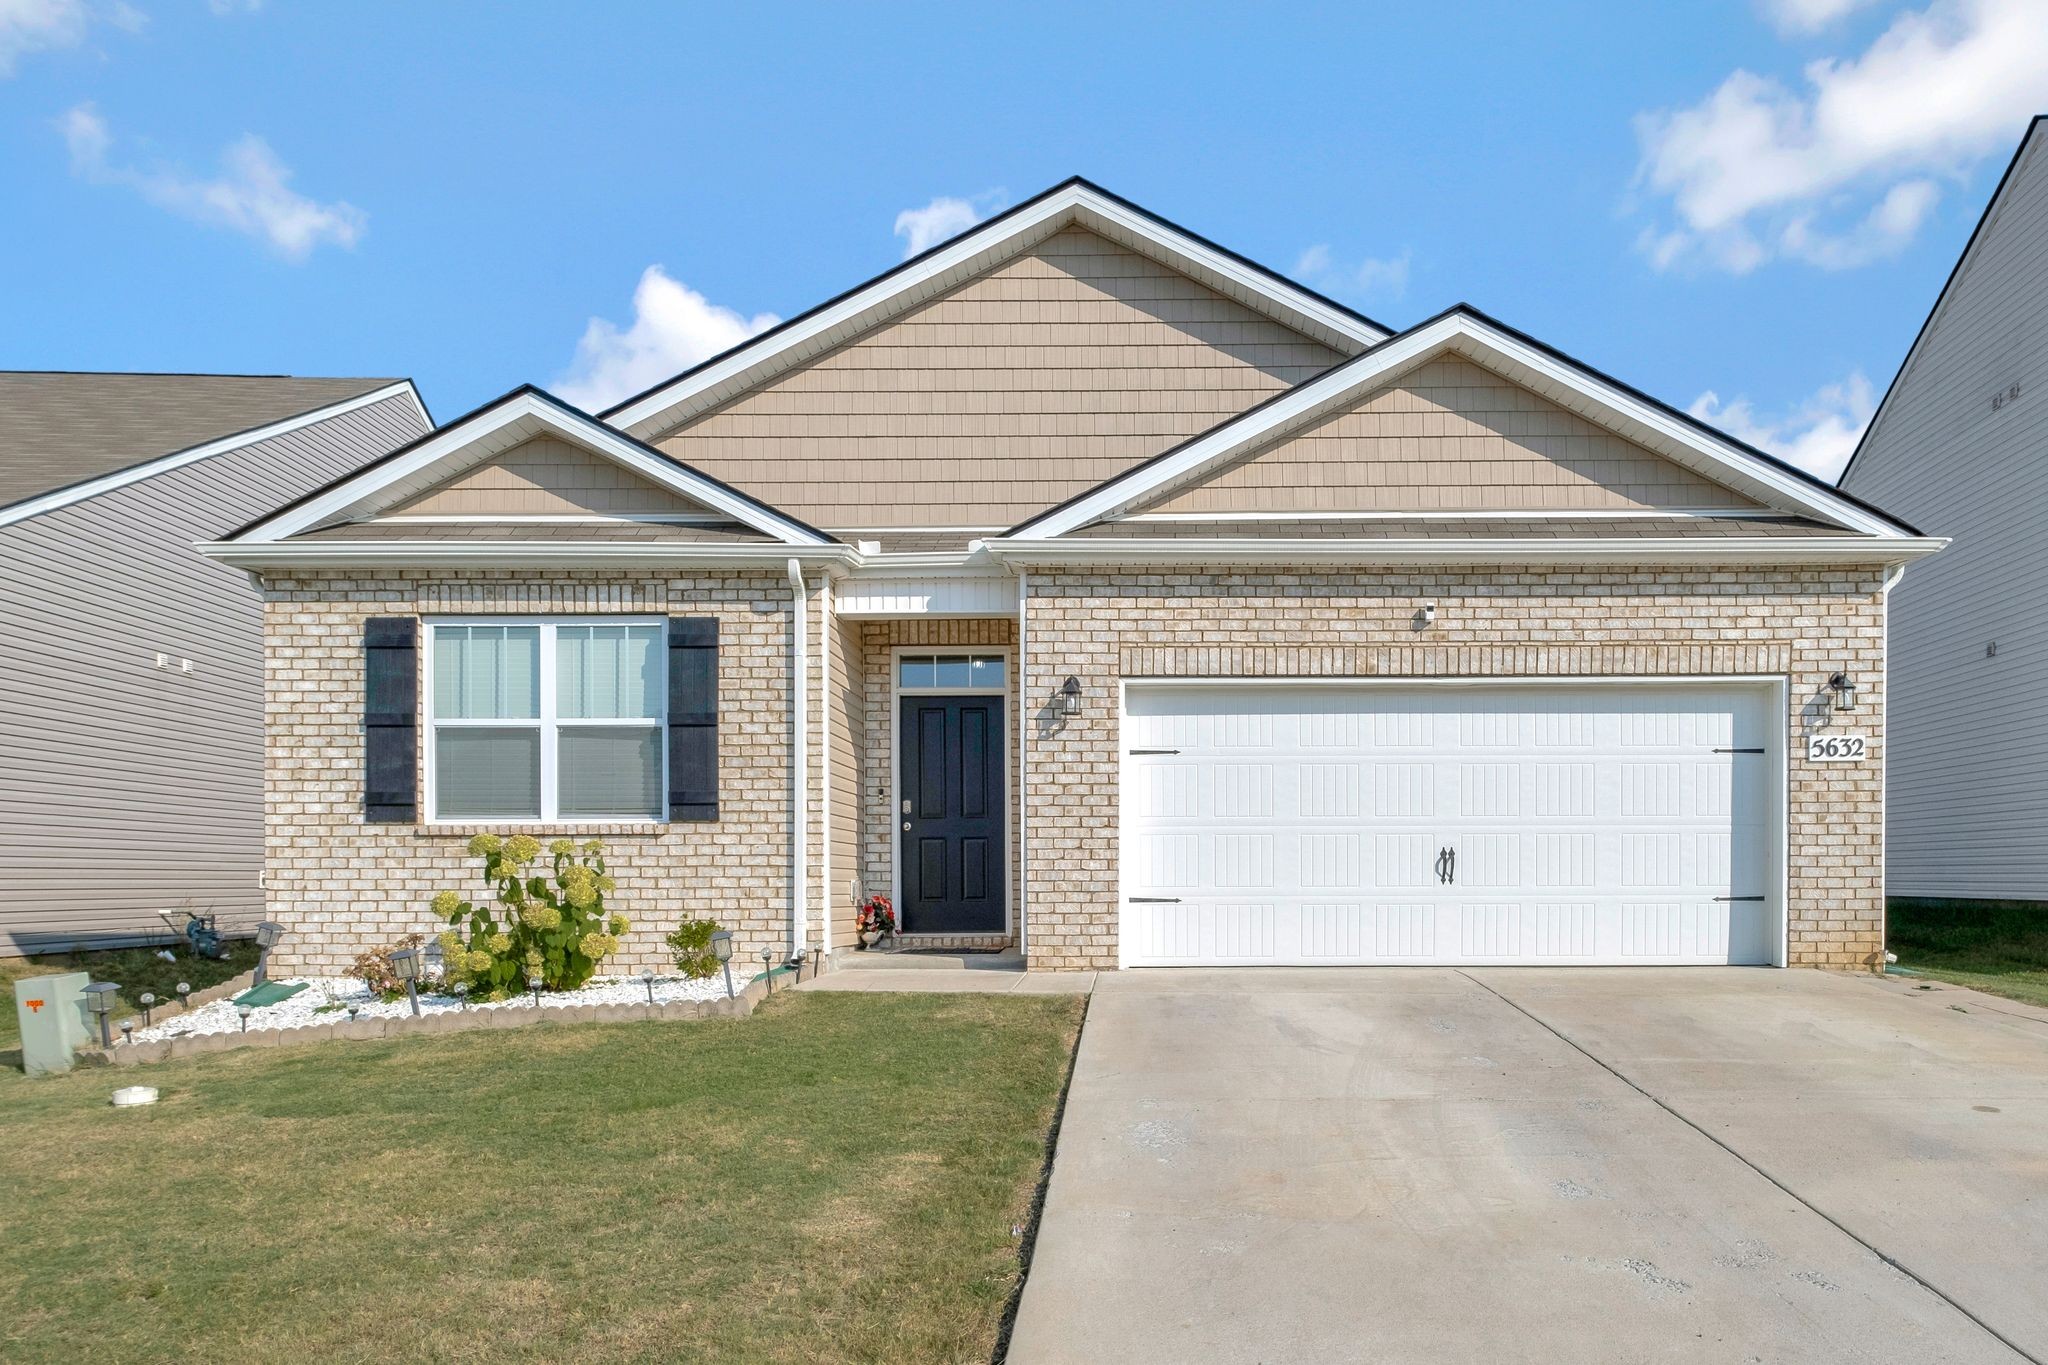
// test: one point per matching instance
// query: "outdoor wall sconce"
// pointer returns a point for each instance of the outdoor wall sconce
(267, 935)
(721, 948)
(99, 998)
(1844, 688)
(1066, 703)
(406, 963)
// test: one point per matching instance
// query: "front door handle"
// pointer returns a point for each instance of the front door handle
(906, 827)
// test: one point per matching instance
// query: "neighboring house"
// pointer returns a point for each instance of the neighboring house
(1084, 586)
(1960, 444)
(131, 701)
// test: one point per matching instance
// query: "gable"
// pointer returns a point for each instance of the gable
(1950, 442)
(1450, 436)
(1062, 367)
(548, 476)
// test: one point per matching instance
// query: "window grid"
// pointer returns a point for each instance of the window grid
(549, 723)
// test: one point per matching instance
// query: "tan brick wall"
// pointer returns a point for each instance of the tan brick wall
(1104, 627)
(340, 885)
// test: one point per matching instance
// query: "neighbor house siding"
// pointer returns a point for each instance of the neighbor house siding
(1799, 624)
(1015, 391)
(1451, 437)
(342, 886)
(132, 788)
(1968, 799)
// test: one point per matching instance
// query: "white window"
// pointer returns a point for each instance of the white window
(546, 720)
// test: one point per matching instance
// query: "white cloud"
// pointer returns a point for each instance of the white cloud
(922, 229)
(673, 328)
(38, 25)
(1818, 434)
(252, 194)
(226, 7)
(1381, 275)
(1809, 16)
(1757, 170)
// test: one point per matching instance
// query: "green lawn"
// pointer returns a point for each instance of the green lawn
(1990, 946)
(134, 970)
(837, 1178)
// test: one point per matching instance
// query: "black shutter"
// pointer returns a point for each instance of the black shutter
(693, 718)
(390, 720)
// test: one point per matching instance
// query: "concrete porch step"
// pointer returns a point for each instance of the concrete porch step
(1009, 960)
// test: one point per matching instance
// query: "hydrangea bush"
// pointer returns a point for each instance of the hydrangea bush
(549, 921)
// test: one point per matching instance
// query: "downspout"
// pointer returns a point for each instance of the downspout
(825, 763)
(1023, 760)
(1892, 575)
(799, 816)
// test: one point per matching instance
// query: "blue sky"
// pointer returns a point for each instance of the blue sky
(1746, 209)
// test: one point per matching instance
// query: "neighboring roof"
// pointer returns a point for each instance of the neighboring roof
(2037, 128)
(931, 273)
(1562, 526)
(1465, 330)
(499, 425)
(64, 430)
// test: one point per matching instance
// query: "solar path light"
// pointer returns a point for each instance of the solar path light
(721, 948)
(406, 962)
(267, 935)
(99, 998)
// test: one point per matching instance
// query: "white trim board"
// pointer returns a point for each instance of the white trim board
(513, 419)
(178, 459)
(1197, 552)
(1075, 203)
(1463, 333)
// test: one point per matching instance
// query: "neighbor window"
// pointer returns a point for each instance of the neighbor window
(544, 720)
(950, 670)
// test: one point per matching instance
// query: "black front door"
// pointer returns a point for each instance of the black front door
(950, 809)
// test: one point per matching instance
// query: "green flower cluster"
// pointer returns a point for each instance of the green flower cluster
(548, 919)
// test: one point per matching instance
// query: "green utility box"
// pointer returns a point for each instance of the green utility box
(54, 1021)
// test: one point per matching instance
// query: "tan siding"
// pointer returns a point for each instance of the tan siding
(131, 788)
(546, 477)
(1046, 376)
(1451, 437)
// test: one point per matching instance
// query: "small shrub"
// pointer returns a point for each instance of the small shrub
(551, 924)
(374, 968)
(691, 944)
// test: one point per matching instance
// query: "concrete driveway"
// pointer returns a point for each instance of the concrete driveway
(1545, 1165)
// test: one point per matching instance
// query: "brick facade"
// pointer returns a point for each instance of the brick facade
(1105, 627)
(340, 885)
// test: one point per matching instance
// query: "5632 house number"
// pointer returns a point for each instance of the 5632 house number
(1836, 748)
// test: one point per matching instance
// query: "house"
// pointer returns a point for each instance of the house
(131, 702)
(1086, 587)
(1960, 443)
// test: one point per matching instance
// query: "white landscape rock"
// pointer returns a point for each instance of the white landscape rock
(326, 1000)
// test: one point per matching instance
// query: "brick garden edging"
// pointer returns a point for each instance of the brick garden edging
(400, 1026)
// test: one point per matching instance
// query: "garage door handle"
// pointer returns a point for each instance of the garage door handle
(1738, 898)
(1155, 751)
(1738, 751)
(1155, 900)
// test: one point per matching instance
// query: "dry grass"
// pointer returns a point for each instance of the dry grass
(837, 1178)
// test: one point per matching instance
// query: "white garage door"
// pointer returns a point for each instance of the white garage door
(1268, 824)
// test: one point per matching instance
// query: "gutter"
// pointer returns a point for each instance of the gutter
(517, 554)
(1203, 552)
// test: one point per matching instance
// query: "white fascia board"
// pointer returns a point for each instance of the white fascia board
(753, 363)
(263, 556)
(361, 491)
(1617, 550)
(1473, 337)
(164, 464)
